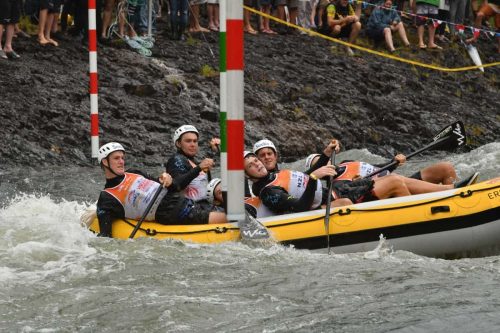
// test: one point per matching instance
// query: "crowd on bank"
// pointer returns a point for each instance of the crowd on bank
(187, 193)
(129, 19)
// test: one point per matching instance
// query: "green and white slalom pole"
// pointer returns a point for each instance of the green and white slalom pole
(231, 107)
(222, 99)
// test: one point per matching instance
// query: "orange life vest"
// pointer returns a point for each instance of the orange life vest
(135, 192)
(349, 170)
(260, 208)
(295, 182)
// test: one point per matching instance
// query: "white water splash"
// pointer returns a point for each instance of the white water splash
(40, 237)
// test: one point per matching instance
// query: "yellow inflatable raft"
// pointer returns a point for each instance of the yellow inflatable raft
(459, 222)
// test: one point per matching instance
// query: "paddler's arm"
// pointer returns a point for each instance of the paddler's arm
(108, 209)
(323, 159)
(182, 173)
(400, 158)
(280, 201)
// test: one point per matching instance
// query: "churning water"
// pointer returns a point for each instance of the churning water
(55, 276)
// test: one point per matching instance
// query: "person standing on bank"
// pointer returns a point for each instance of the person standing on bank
(9, 16)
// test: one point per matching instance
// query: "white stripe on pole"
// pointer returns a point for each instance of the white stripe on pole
(92, 19)
(93, 104)
(93, 61)
(235, 94)
(236, 193)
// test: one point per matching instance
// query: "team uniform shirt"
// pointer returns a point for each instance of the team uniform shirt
(349, 170)
(289, 192)
(191, 180)
(256, 208)
(127, 196)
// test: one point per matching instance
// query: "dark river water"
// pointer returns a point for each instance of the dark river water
(56, 276)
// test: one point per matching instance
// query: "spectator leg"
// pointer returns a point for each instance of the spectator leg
(388, 39)
(9, 33)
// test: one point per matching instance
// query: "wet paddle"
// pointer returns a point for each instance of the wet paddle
(146, 211)
(328, 205)
(449, 138)
(252, 229)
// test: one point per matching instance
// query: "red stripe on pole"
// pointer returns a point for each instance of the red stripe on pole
(92, 41)
(235, 143)
(93, 83)
(92, 4)
(94, 124)
(234, 51)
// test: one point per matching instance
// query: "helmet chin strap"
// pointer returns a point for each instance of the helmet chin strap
(109, 168)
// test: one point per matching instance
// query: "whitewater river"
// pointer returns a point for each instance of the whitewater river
(56, 276)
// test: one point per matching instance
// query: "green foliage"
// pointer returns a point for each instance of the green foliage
(308, 90)
(192, 41)
(208, 71)
(374, 136)
(26, 25)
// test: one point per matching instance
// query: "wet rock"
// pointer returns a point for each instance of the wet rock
(299, 92)
(141, 90)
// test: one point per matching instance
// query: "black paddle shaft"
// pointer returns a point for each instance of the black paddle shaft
(328, 204)
(453, 134)
(146, 211)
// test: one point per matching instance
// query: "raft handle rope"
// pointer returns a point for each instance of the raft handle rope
(347, 212)
(381, 54)
(466, 194)
(154, 232)
(340, 212)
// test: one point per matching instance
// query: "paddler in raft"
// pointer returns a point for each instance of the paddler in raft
(192, 178)
(288, 191)
(127, 194)
(435, 178)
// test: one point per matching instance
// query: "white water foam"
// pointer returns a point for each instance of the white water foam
(40, 237)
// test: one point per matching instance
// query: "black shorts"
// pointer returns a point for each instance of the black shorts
(377, 34)
(175, 209)
(416, 175)
(194, 212)
(53, 6)
(9, 11)
(345, 31)
(357, 191)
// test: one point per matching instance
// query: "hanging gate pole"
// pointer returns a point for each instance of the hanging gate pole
(93, 86)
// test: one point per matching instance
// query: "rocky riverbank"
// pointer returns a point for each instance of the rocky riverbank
(299, 91)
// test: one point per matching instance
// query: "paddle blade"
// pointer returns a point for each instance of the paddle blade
(450, 137)
(252, 229)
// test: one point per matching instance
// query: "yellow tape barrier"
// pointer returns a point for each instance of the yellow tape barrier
(335, 40)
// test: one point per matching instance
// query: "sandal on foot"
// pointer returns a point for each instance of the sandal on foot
(144, 51)
(132, 43)
(143, 42)
(3, 55)
(12, 55)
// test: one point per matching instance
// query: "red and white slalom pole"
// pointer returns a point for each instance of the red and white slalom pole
(93, 86)
(235, 123)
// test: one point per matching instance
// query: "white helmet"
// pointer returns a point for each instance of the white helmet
(184, 129)
(107, 149)
(264, 143)
(246, 153)
(309, 160)
(211, 189)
